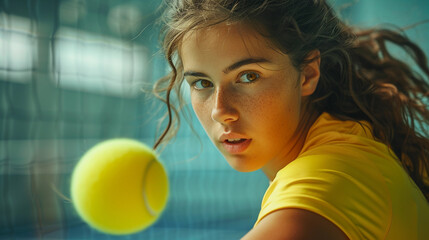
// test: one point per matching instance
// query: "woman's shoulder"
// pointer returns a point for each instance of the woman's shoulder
(337, 139)
(329, 130)
(353, 196)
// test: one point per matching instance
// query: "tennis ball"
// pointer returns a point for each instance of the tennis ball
(119, 187)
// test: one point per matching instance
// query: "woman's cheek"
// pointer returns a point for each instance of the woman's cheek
(201, 108)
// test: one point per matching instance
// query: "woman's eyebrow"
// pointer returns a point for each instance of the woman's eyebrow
(194, 74)
(244, 62)
(231, 67)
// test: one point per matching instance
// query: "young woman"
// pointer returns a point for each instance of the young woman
(337, 124)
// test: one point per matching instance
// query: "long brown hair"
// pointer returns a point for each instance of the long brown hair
(360, 78)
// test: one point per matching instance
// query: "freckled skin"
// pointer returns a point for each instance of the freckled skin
(268, 110)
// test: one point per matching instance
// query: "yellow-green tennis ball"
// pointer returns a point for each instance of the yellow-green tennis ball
(119, 187)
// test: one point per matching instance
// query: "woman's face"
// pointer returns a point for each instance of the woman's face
(246, 94)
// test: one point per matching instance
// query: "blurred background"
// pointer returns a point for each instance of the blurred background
(72, 74)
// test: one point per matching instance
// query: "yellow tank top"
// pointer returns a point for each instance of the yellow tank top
(346, 176)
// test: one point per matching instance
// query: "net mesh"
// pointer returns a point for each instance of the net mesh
(71, 74)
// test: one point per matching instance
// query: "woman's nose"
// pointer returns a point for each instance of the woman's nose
(224, 110)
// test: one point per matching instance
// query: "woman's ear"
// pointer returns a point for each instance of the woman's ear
(310, 74)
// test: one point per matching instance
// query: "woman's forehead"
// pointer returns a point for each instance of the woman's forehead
(222, 46)
(234, 37)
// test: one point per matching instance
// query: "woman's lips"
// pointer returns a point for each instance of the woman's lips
(236, 147)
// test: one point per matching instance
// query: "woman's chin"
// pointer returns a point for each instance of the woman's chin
(241, 165)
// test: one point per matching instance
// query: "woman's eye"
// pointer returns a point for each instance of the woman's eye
(202, 84)
(249, 77)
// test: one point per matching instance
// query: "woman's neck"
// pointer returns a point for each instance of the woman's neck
(309, 116)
